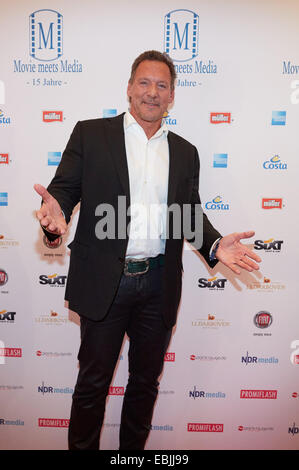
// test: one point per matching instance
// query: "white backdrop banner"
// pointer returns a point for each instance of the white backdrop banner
(231, 373)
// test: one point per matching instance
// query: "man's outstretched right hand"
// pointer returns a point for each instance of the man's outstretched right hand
(50, 215)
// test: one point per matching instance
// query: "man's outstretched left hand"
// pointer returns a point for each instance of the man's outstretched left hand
(235, 255)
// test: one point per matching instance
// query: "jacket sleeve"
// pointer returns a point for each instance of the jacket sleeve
(201, 226)
(65, 187)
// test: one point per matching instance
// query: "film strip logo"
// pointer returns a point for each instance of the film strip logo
(181, 29)
(45, 35)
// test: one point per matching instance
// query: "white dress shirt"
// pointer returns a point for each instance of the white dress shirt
(148, 166)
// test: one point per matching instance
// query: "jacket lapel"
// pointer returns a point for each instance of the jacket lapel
(116, 142)
(174, 169)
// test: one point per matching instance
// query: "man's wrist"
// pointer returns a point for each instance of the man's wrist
(214, 249)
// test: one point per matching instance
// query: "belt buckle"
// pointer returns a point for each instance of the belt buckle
(144, 260)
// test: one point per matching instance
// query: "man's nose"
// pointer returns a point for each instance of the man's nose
(153, 90)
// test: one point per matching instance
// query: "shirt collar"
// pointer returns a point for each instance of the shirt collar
(129, 120)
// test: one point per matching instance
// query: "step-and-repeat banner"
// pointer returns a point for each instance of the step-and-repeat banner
(230, 378)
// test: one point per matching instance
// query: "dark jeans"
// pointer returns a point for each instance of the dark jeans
(135, 311)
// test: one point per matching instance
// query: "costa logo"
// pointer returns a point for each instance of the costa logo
(263, 319)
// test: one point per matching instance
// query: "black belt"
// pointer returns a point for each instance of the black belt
(133, 267)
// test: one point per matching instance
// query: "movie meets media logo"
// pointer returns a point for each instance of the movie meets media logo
(46, 48)
(181, 43)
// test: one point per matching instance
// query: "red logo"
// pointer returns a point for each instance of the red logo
(169, 356)
(11, 352)
(261, 394)
(295, 395)
(204, 427)
(272, 203)
(218, 118)
(51, 116)
(116, 390)
(53, 423)
(4, 158)
(240, 428)
(296, 359)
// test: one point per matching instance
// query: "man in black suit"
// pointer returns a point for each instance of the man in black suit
(129, 282)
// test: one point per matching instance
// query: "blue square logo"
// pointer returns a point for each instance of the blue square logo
(3, 199)
(220, 160)
(108, 113)
(54, 158)
(279, 118)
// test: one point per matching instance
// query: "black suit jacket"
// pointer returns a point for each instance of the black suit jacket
(93, 170)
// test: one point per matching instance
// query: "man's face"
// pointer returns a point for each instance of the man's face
(150, 91)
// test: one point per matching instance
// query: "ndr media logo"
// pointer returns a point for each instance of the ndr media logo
(181, 41)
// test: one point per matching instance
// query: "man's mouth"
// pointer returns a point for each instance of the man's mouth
(154, 105)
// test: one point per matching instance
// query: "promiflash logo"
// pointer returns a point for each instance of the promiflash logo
(45, 35)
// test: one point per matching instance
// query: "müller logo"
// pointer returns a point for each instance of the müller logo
(51, 116)
(4, 158)
(204, 427)
(259, 394)
(272, 203)
(219, 118)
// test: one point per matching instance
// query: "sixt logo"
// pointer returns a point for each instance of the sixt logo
(270, 245)
(275, 164)
(217, 204)
(213, 283)
(7, 317)
(53, 280)
(46, 35)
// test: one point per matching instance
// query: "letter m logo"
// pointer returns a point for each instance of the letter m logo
(45, 35)
(181, 29)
